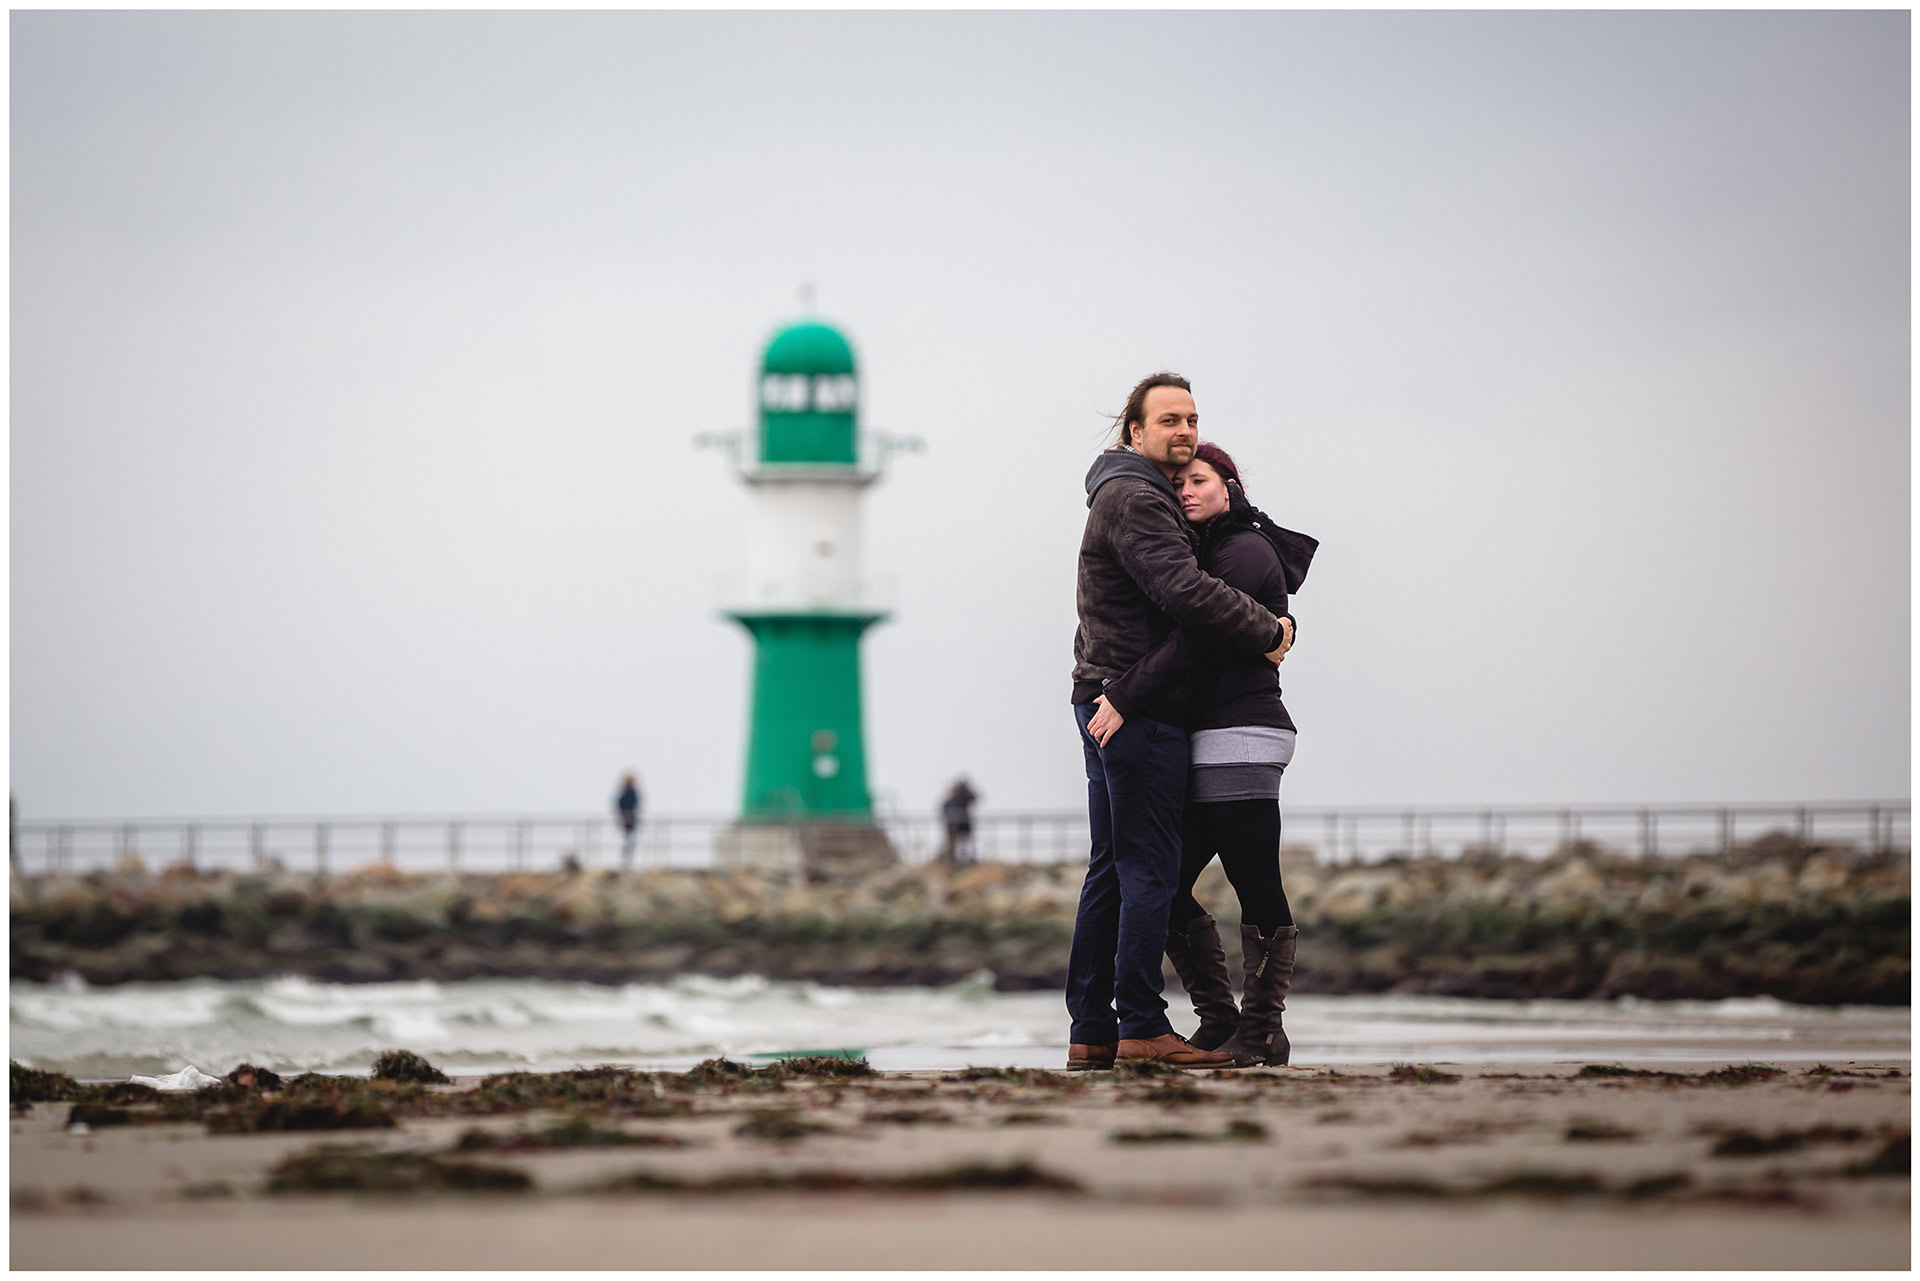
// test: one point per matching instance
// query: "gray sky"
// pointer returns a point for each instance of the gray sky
(356, 359)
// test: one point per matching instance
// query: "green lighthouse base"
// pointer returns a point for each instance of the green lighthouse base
(805, 807)
(806, 752)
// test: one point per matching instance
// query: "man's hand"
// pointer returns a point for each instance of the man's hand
(1286, 642)
(1106, 722)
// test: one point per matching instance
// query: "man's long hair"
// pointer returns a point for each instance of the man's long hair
(1136, 409)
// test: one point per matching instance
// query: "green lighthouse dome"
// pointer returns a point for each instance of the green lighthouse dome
(809, 397)
(808, 347)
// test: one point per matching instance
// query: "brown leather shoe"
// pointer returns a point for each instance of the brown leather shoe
(1089, 1058)
(1173, 1050)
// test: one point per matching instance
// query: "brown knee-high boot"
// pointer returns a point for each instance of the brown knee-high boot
(1201, 962)
(1261, 1040)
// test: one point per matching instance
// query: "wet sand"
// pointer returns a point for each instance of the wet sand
(1490, 1165)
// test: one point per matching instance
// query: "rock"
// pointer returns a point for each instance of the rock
(1802, 924)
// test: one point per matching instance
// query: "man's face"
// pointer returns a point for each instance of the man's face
(1169, 429)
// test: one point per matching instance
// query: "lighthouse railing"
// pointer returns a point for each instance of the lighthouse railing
(492, 844)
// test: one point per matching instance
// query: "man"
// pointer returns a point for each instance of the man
(956, 811)
(1138, 579)
(626, 809)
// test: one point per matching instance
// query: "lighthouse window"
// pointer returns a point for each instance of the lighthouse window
(784, 392)
(835, 393)
(823, 548)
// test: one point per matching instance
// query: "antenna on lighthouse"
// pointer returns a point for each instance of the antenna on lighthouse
(807, 292)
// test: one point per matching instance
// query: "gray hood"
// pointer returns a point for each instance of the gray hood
(1121, 461)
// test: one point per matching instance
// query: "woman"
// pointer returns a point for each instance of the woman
(1242, 741)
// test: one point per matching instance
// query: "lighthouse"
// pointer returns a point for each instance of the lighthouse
(804, 800)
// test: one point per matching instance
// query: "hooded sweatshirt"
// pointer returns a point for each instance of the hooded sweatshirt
(1138, 580)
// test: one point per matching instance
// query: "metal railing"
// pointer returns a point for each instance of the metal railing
(541, 842)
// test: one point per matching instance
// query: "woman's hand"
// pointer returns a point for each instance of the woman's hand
(1279, 655)
(1106, 722)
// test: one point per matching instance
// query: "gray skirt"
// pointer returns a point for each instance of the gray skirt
(1239, 764)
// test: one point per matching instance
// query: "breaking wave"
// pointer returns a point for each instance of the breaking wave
(293, 1024)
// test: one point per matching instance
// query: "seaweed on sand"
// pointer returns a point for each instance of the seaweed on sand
(147, 1107)
(1419, 1074)
(779, 1126)
(31, 1085)
(405, 1065)
(972, 1176)
(1657, 1185)
(1029, 1077)
(718, 1071)
(357, 1087)
(1235, 1132)
(826, 1067)
(907, 1116)
(1557, 1185)
(726, 1075)
(1030, 1118)
(249, 1077)
(1527, 1183)
(574, 1132)
(630, 1092)
(1740, 1074)
(1747, 1143)
(1382, 1186)
(1542, 1183)
(1735, 1074)
(1599, 1132)
(1603, 1071)
(1895, 1157)
(210, 1190)
(1821, 1069)
(39, 1200)
(351, 1169)
(1170, 1093)
(302, 1112)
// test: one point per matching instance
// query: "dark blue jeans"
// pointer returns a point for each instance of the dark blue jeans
(1136, 788)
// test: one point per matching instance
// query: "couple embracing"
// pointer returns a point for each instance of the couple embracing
(1182, 594)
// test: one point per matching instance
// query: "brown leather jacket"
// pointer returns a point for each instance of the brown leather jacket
(1138, 580)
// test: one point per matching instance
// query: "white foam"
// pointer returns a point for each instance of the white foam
(299, 1024)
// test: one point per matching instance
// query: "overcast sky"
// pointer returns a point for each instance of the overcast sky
(356, 360)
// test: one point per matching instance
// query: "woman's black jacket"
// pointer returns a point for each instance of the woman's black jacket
(1243, 548)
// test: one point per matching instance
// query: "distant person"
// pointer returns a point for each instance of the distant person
(957, 812)
(1138, 580)
(626, 809)
(1242, 741)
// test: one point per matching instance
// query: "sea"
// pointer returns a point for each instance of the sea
(491, 1025)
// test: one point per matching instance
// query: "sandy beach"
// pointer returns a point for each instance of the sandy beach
(1595, 1165)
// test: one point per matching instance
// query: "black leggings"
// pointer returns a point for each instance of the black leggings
(1246, 836)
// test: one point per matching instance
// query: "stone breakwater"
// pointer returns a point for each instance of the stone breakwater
(1775, 919)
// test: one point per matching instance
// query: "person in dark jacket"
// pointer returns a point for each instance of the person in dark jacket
(956, 812)
(626, 810)
(1242, 740)
(1138, 580)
